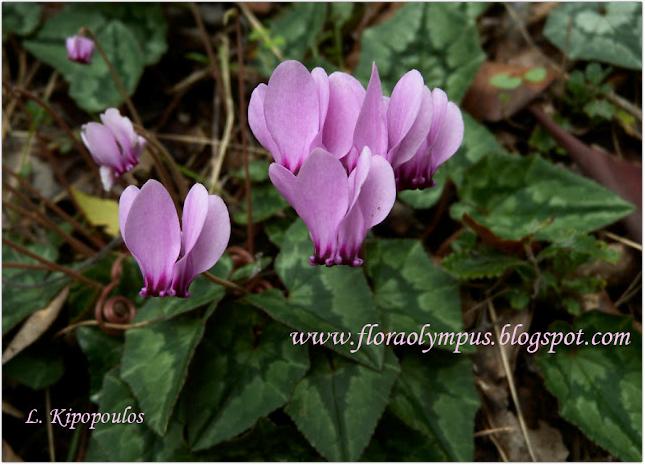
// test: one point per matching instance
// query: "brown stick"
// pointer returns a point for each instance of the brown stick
(61, 123)
(51, 265)
(34, 214)
(115, 76)
(55, 208)
(243, 129)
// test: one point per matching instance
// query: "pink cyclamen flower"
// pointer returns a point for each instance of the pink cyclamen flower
(338, 207)
(170, 256)
(442, 141)
(79, 49)
(114, 145)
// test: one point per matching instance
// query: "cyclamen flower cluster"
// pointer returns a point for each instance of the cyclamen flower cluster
(341, 151)
(114, 145)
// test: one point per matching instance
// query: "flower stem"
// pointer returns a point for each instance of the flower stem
(51, 265)
(120, 86)
(224, 282)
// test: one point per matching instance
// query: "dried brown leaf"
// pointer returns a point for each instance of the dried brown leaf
(35, 326)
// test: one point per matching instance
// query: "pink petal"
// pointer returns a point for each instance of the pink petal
(102, 146)
(417, 133)
(153, 236)
(449, 136)
(108, 177)
(439, 106)
(345, 99)
(404, 105)
(358, 175)
(320, 196)
(378, 192)
(351, 235)
(125, 202)
(292, 112)
(123, 131)
(193, 217)
(258, 123)
(371, 130)
(322, 83)
(208, 247)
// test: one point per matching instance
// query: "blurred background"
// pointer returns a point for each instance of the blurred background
(535, 221)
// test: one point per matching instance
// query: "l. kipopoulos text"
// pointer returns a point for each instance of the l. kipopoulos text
(426, 339)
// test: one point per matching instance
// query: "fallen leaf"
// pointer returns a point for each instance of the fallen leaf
(621, 176)
(35, 326)
(99, 212)
(501, 90)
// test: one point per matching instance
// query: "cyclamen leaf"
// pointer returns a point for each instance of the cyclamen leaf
(103, 352)
(23, 291)
(437, 397)
(409, 290)
(156, 357)
(20, 18)
(244, 370)
(266, 201)
(480, 263)
(438, 39)
(294, 31)
(320, 298)
(517, 197)
(130, 40)
(599, 388)
(37, 367)
(118, 441)
(338, 404)
(607, 32)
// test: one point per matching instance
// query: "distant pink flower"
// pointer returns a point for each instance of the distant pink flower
(79, 49)
(338, 207)
(114, 145)
(170, 256)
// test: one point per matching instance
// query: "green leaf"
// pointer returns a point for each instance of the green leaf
(103, 352)
(26, 291)
(338, 404)
(37, 367)
(478, 141)
(244, 370)
(409, 290)
(294, 31)
(320, 298)
(479, 263)
(437, 397)
(517, 197)
(438, 39)
(267, 202)
(258, 171)
(156, 357)
(537, 74)
(131, 37)
(394, 441)
(505, 81)
(599, 388)
(20, 18)
(118, 441)
(266, 442)
(607, 32)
